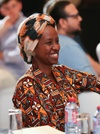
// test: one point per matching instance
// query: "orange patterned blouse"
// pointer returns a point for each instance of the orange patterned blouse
(42, 101)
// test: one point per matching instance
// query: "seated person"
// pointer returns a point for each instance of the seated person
(44, 90)
(10, 59)
(68, 23)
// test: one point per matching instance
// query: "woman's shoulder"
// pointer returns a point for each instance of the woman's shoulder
(27, 77)
(62, 68)
(24, 79)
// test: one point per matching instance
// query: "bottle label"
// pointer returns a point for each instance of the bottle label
(70, 116)
(74, 113)
(99, 121)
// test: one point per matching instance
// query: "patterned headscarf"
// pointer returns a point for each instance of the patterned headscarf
(29, 33)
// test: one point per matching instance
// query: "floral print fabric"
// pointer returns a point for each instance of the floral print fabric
(42, 101)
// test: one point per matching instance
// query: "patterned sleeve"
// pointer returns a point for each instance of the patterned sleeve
(82, 81)
(27, 99)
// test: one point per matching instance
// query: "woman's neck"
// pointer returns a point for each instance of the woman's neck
(46, 69)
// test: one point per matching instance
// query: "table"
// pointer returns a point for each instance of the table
(39, 130)
(35, 130)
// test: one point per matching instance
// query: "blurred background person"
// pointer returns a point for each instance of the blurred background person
(72, 53)
(89, 10)
(9, 51)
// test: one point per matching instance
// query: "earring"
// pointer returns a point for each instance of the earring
(33, 54)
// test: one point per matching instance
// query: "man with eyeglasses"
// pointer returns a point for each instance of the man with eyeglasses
(68, 22)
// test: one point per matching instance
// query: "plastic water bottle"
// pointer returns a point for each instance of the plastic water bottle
(71, 111)
(96, 121)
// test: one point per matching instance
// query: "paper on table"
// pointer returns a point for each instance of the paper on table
(40, 130)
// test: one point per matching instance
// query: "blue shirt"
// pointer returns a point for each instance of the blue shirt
(72, 55)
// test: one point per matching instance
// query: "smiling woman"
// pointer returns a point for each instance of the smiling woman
(44, 90)
(48, 46)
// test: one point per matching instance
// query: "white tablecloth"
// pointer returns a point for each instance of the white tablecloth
(39, 130)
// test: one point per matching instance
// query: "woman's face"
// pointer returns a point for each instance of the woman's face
(47, 50)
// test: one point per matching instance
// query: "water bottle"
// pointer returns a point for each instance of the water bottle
(96, 121)
(71, 111)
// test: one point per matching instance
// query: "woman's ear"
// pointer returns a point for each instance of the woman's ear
(33, 54)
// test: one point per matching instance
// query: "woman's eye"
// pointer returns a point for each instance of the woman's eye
(49, 43)
(57, 41)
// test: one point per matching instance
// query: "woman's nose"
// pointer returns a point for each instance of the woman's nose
(56, 46)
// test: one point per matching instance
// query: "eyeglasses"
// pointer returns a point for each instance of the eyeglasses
(73, 15)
